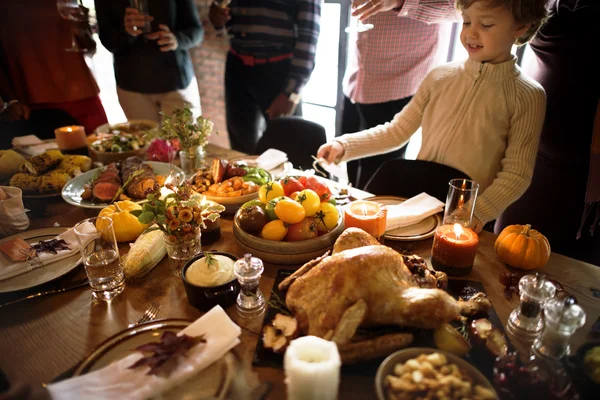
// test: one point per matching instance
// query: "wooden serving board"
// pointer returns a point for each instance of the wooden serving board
(463, 289)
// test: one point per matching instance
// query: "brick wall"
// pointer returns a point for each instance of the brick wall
(209, 62)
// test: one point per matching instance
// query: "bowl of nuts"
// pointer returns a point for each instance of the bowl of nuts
(421, 372)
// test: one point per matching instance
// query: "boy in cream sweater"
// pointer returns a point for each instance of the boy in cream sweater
(481, 116)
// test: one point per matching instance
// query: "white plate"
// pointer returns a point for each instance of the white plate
(72, 191)
(104, 128)
(419, 231)
(42, 274)
(251, 162)
(211, 383)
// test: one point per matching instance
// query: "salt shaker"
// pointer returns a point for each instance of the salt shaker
(525, 322)
(250, 301)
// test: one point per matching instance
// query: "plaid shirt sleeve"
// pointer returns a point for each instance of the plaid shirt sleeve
(303, 60)
(430, 11)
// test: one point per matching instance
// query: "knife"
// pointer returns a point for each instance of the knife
(77, 284)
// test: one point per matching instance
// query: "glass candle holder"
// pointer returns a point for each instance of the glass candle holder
(454, 242)
(71, 139)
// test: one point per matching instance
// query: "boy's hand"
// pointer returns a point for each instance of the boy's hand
(331, 151)
(218, 16)
(280, 106)
(363, 9)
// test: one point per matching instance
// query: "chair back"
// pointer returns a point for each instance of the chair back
(298, 138)
(408, 178)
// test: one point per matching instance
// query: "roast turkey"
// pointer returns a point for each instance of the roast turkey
(371, 275)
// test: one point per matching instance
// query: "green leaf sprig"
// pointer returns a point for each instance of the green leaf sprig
(181, 125)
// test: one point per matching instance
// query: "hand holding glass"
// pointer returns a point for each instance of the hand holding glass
(358, 25)
(100, 255)
(73, 12)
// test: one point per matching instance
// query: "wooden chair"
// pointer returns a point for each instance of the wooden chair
(298, 138)
(408, 178)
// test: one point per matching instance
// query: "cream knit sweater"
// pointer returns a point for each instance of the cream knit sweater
(482, 119)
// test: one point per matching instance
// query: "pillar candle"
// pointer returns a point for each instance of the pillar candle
(70, 137)
(367, 215)
(312, 369)
(454, 249)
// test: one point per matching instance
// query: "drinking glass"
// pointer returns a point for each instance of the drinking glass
(358, 26)
(142, 7)
(100, 254)
(73, 12)
(224, 31)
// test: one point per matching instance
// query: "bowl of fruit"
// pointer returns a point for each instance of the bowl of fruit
(293, 221)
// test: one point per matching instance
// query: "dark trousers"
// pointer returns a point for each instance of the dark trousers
(249, 91)
(357, 117)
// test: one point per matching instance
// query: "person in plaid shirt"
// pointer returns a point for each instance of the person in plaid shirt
(386, 66)
(272, 55)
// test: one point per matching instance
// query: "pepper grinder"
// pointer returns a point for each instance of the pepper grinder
(525, 322)
(250, 301)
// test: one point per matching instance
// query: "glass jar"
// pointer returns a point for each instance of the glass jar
(191, 159)
(182, 247)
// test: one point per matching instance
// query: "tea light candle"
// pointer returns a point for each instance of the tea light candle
(312, 369)
(70, 137)
(454, 249)
(367, 215)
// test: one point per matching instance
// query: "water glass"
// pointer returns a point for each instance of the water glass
(142, 7)
(100, 254)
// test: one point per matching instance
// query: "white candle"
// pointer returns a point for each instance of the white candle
(312, 369)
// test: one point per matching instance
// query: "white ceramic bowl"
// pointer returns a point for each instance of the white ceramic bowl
(387, 368)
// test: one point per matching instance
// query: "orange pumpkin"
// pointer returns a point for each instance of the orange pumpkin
(522, 247)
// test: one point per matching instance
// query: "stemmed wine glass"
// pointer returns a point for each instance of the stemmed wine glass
(358, 26)
(73, 12)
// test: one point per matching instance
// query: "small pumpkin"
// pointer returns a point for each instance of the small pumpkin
(522, 247)
(127, 227)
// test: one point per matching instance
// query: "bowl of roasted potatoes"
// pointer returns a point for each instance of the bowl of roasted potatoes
(421, 372)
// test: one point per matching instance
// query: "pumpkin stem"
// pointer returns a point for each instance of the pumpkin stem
(526, 230)
(119, 210)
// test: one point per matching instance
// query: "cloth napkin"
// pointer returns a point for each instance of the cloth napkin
(412, 211)
(9, 268)
(271, 158)
(116, 381)
(27, 140)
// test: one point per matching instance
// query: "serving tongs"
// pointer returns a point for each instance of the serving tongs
(75, 285)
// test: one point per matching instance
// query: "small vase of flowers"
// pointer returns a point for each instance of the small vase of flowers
(192, 135)
(180, 215)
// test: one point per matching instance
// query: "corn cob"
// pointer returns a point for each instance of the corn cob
(145, 253)
(26, 182)
(41, 163)
(84, 163)
(53, 181)
(10, 161)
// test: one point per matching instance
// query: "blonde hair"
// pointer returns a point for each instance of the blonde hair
(534, 12)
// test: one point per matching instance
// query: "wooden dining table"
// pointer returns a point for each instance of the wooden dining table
(42, 337)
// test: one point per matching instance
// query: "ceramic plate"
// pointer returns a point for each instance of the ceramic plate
(419, 231)
(251, 162)
(72, 191)
(43, 274)
(210, 383)
(105, 128)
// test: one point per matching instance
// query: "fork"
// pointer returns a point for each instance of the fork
(149, 315)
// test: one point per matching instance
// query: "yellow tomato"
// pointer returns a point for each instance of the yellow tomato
(269, 191)
(327, 216)
(310, 200)
(289, 211)
(274, 230)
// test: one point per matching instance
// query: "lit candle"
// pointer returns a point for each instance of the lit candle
(71, 139)
(367, 215)
(312, 369)
(454, 249)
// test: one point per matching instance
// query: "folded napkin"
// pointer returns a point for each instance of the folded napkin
(412, 211)
(117, 381)
(271, 159)
(9, 268)
(27, 140)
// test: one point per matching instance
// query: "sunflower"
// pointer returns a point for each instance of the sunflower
(185, 214)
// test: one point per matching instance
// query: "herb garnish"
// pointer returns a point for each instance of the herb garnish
(165, 353)
(277, 303)
(126, 183)
(210, 259)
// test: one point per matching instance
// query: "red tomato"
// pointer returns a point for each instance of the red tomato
(302, 180)
(303, 230)
(322, 189)
(291, 185)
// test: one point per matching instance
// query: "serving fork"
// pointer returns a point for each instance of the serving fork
(148, 315)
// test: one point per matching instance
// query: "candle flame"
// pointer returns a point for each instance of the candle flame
(458, 230)
(364, 210)
(69, 129)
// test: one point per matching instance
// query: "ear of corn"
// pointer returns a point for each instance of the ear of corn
(26, 182)
(43, 162)
(83, 163)
(145, 253)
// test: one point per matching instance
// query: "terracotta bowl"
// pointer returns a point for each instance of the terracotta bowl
(287, 252)
(107, 157)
